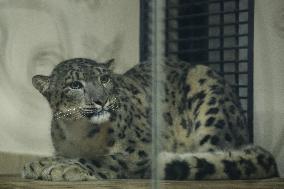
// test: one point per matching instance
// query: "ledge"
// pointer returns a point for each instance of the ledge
(12, 181)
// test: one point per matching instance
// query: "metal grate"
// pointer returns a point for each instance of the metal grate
(217, 33)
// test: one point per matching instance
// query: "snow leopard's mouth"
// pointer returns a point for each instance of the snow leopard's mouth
(92, 112)
(98, 110)
(96, 116)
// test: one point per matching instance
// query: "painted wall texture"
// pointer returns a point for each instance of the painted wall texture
(35, 35)
(269, 77)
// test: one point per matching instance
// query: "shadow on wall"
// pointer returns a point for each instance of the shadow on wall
(35, 36)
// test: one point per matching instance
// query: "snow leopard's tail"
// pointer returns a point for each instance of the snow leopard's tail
(251, 162)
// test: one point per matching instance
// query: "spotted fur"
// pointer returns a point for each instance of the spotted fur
(101, 127)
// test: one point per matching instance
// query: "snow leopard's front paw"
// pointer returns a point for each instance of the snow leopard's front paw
(57, 169)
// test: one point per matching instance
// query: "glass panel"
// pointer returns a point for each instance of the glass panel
(243, 41)
(243, 28)
(229, 30)
(243, 4)
(243, 79)
(214, 19)
(243, 92)
(214, 56)
(230, 42)
(214, 31)
(214, 43)
(243, 67)
(229, 67)
(222, 47)
(229, 6)
(243, 54)
(231, 79)
(243, 16)
(215, 7)
(216, 67)
(38, 36)
(59, 94)
(229, 55)
(244, 104)
(229, 18)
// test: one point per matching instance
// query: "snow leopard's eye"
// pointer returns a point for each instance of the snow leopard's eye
(104, 79)
(76, 85)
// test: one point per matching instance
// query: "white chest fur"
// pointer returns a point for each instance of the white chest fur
(83, 139)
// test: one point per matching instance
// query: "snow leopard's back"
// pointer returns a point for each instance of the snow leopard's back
(102, 122)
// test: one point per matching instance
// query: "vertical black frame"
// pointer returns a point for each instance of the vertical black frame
(144, 30)
(250, 112)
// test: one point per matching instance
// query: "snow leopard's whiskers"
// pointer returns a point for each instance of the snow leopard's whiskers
(114, 104)
(69, 114)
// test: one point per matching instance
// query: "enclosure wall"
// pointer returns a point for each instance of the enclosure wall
(35, 35)
(269, 77)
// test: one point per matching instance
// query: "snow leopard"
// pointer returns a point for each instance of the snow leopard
(101, 125)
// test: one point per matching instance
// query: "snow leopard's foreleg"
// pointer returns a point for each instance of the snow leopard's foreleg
(64, 169)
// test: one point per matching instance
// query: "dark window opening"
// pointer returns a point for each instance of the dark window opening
(217, 33)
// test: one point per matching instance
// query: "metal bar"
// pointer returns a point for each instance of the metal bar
(240, 86)
(185, 5)
(205, 26)
(204, 50)
(218, 62)
(206, 14)
(205, 38)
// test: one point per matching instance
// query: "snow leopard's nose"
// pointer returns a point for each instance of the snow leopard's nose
(100, 102)
(97, 102)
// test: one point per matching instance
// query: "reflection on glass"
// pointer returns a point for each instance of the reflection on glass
(169, 118)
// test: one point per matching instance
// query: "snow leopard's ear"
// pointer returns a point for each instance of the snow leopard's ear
(41, 83)
(110, 64)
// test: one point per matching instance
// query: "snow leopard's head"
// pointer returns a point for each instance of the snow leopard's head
(79, 89)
